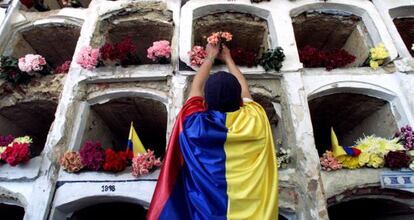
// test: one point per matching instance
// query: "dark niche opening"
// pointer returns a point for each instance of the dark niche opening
(405, 27)
(370, 209)
(29, 118)
(11, 212)
(110, 211)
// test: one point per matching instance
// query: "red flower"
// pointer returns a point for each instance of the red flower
(115, 161)
(108, 51)
(17, 153)
(125, 48)
(243, 57)
(312, 57)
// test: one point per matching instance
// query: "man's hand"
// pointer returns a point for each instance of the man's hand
(212, 51)
(197, 87)
(225, 55)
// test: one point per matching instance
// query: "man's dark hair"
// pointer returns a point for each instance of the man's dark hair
(222, 92)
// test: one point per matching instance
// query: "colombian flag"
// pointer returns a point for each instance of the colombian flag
(218, 166)
(134, 143)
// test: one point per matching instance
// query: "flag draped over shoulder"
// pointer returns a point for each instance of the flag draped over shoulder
(218, 166)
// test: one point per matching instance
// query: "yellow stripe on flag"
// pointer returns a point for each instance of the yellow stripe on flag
(251, 169)
(137, 146)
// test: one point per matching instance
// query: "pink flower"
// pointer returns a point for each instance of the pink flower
(329, 162)
(227, 35)
(88, 57)
(31, 63)
(197, 55)
(159, 49)
(216, 37)
(142, 164)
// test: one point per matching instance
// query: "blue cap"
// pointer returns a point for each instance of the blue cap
(222, 92)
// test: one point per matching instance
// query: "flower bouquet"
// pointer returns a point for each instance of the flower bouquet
(15, 151)
(32, 64)
(197, 55)
(159, 52)
(142, 164)
(219, 38)
(88, 58)
(272, 59)
(9, 71)
(332, 59)
(377, 56)
(122, 53)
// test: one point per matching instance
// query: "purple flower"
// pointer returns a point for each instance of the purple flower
(92, 155)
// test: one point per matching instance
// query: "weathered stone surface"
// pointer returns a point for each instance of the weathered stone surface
(47, 88)
(249, 32)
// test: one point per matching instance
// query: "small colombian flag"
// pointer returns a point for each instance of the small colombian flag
(134, 143)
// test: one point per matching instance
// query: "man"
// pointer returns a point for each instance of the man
(220, 162)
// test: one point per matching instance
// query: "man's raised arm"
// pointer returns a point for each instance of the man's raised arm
(199, 80)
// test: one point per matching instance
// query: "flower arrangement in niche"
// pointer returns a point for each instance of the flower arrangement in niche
(17, 151)
(219, 37)
(88, 58)
(377, 56)
(122, 53)
(92, 155)
(313, 57)
(64, 68)
(142, 164)
(197, 55)
(71, 162)
(272, 59)
(329, 162)
(159, 52)
(33, 63)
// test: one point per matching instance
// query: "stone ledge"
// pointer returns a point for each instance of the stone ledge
(336, 182)
(21, 172)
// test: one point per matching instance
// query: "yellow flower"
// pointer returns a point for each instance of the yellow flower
(412, 47)
(376, 161)
(373, 64)
(363, 158)
(379, 52)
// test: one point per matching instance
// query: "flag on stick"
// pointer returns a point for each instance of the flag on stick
(134, 143)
